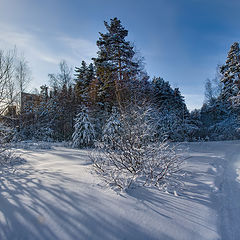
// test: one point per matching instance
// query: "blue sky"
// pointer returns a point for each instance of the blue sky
(181, 40)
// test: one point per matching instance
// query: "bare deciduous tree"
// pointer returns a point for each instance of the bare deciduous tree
(6, 82)
(62, 78)
(14, 77)
(23, 75)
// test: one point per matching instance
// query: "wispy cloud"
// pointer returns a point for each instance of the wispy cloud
(79, 47)
(50, 50)
(26, 42)
(44, 55)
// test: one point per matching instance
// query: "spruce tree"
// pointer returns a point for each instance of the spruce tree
(231, 73)
(163, 94)
(112, 129)
(179, 104)
(84, 134)
(84, 76)
(173, 121)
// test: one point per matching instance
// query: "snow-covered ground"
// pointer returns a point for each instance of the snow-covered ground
(55, 195)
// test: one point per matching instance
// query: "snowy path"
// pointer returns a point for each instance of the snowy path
(228, 196)
(224, 157)
(55, 196)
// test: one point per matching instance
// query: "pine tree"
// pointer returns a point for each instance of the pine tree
(44, 116)
(84, 134)
(195, 117)
(115, 66)
(221, 117)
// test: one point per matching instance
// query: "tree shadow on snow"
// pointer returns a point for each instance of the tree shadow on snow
(41, 208)
(49, 205)
(192, 201)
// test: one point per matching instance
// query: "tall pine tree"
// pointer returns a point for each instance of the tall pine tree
(115, 65)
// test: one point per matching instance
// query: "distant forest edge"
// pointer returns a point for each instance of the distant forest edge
(84, 106)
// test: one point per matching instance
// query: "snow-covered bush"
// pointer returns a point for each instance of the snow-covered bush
(33, 145)
(84, 134)
(34, 133)
(6, 133)
(136, 158)
(8, 158)
(5, 137)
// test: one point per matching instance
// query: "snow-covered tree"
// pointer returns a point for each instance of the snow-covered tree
(112, 128)
(37, 118)
(172, 116)
(169, 126)
(209, 98)
(162, 93)
(84, 77)
(220, 112)
(84, 134)
(214, 115)
(231, 73)
(179, 105)
(227, 129)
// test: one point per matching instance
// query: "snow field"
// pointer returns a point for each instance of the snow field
(56, 195)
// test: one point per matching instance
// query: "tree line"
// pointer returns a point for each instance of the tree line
(94, 97)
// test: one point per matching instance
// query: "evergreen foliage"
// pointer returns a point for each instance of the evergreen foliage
(115, 65)
(218, 115)
(162, 93)
(117, 80)
(231, 73)
(84, 134)
(84, 77)
(112, 129)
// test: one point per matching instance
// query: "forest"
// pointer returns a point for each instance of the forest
(90, 99)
